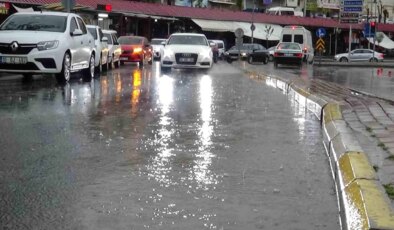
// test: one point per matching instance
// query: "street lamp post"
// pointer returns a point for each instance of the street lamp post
(252, 26)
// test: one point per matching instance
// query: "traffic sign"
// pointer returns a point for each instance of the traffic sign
(252, 27)
(321, 32)
(320, 44)
(350, 10)
(239, 33)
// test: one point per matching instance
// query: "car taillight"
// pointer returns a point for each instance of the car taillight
(305, 50)
(137, 50)
(277, 54)
(298, 55)
(381, 55)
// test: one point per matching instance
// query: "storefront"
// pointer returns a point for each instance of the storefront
(4, 10)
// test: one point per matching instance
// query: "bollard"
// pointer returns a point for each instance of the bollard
(389, 73)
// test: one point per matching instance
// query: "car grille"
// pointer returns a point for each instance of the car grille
(27, 66)
(5, 48)
(192, 58)
(127, 51)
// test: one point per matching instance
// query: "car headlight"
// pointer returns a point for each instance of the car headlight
(243, 54)
(206, 53)
(168, 53)
(47, 45)
(226, 53)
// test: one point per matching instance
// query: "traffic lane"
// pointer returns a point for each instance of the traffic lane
(375, 81)
(139, 149)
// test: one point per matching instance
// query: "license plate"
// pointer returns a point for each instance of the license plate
(288, 55)
(13, 60)
(186, 59)
(124, 58)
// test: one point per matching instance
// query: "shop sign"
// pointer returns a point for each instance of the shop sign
(4, 7)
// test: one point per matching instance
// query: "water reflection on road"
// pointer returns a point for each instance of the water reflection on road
(141, 149)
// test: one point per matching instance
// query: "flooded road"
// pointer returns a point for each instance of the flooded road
(138, 149)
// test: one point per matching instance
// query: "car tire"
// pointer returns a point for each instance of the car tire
(88, 73)
(343, 59)
(265, 61)
(65, 73)
(311, 61)
(117, 64)
(105, 66)
(165, 69)
(111, 63)
(271, 58)
(141, 62)
(250, 59)
(373, 60)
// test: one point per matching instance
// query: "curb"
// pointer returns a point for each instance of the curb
(352, 64)
(362, 200)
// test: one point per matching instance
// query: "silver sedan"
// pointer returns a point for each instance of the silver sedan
(360, 55)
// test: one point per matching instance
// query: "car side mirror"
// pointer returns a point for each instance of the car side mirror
(104, 39)
(76, 32)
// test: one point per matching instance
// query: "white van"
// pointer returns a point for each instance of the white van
(302, 36)
(284, 11)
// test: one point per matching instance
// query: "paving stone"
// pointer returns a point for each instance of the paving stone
(386, 140)
(373, 125)
(382, 133)
(389, 145)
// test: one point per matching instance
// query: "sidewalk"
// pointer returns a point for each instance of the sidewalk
(359, 139)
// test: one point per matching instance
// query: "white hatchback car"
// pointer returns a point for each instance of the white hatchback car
(114, 48)
(157, 47)
(186, 50)
(46, 43)
(101, 47)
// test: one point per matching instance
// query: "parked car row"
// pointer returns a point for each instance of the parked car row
(55, 43)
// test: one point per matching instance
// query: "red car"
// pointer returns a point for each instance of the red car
(135, 49)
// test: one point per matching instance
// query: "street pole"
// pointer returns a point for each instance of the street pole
(330, 44)
(336, 41)
(254, 6)
(350, 41)
(305, 8)
(374, 36)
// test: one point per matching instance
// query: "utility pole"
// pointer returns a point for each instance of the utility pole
(252, 26)
(305, 7)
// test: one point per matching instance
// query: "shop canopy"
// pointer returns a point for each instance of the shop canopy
(386, 42)
(230, 26)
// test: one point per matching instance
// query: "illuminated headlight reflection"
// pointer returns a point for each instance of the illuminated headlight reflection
(168, 53)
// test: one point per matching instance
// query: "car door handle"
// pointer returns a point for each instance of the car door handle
(81, 43)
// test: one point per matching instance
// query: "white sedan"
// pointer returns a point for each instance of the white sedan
(186, 50)
(46, 43)
(360, 55)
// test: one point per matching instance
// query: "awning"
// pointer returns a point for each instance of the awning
(386, 43)
(58, 6)
(215, 26)
(138, 15)
(18, 9)
(230, 26)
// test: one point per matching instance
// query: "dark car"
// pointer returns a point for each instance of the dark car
(259, 55)
(288, 53)
(245, 50)
(135, 49)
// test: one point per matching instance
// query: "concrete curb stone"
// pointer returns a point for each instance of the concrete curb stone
(363, 202)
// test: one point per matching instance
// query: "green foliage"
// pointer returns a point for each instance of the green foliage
(389, 190)
(239, 4)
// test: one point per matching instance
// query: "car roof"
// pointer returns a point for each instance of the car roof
(133, 36)
(158, 39)
(109, 31)
(92, 26)
(188, 34)
(45, 13)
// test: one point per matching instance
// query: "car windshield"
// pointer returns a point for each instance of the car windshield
(130, 40)
(187, 40)
(51, 23)
(289, 46)
(108, 36)
(157, 41)
(93, 32)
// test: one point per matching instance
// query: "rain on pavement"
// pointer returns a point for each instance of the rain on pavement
(138, 149)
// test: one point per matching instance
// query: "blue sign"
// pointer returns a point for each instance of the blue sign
(352, 9)
(321, 32)
(353, 3)
(267, 2)
(368, 31)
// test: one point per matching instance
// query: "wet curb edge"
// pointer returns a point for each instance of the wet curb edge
(362, 200)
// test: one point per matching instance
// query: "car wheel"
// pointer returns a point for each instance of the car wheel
(117, 63)
(165, 69)
(65, 73)
(373, 60)
(229, 60)
(141, 62)
(343, 59)
(265, 61)
(250, 59)
(271, 58)
(111, 63)
(88, 73)
(121, 62)
(311, 61)
(105, 66)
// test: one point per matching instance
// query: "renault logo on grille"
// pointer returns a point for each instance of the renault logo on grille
(186, 55)
(14, 46)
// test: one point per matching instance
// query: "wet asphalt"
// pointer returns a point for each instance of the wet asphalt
(141, 149)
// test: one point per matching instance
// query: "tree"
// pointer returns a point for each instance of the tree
(268, 32)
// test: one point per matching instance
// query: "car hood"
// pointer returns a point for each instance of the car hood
(187, 48)
(27, 37)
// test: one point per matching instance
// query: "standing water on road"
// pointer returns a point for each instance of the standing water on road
(145, 150)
